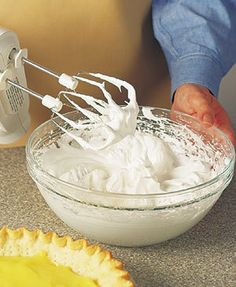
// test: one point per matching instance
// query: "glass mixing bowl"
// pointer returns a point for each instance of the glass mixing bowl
(130, 219)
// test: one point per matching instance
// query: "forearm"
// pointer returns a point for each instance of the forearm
(198, 39)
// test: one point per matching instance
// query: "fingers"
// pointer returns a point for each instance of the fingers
(230, 133)
(223, 123)
(198, 102)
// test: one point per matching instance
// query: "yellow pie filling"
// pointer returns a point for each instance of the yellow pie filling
(38, 271)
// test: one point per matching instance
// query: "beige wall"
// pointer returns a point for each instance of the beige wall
(108, 36)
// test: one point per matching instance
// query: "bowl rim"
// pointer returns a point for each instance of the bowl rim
(29, 157)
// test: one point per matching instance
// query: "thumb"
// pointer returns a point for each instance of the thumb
(208, 118)
(204, 110)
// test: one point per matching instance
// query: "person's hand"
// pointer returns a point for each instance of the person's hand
(198, 102)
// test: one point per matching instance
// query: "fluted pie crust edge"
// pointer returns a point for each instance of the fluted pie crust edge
(82, 258)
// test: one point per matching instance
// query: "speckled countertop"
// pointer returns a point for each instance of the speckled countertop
(202, 257)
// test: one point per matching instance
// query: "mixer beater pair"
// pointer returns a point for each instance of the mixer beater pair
(117, 121)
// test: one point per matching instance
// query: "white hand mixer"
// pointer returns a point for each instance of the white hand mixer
(117, 121)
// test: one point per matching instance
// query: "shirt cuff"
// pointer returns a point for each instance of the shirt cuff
(196, 69)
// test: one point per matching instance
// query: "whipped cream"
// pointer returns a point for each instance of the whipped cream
(139, 163)
(110, 152)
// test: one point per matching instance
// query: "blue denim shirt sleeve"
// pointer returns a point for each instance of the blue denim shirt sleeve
(198, 38)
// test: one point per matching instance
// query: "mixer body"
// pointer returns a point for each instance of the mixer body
(14, 103)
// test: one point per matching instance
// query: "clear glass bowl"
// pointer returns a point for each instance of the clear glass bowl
(128, 219)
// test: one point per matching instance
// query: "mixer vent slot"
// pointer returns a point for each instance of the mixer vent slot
(15, 97)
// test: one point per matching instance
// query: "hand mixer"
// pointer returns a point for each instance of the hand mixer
(117, 121)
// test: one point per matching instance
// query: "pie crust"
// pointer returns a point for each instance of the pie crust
(87, 260)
